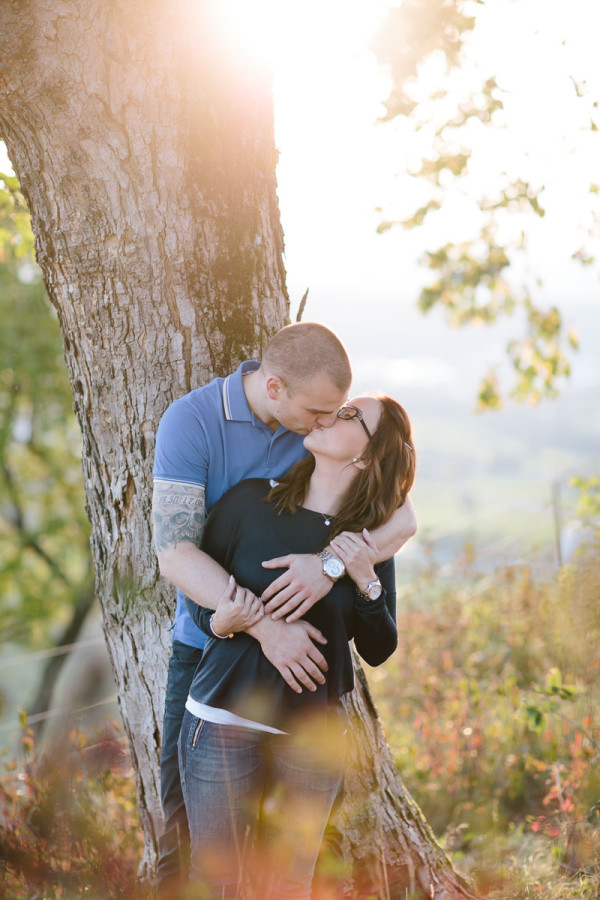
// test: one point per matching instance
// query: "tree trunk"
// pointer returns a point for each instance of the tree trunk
(143, 140)
(393, 851)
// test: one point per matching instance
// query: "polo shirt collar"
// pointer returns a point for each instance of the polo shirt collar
(235, 405)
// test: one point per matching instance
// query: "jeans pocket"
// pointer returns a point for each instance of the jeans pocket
(185, 654)
(196, 733)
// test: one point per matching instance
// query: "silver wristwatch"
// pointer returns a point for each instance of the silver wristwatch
(372, 591)
(333, 566)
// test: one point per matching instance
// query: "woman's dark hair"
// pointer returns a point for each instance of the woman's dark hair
(378, 489)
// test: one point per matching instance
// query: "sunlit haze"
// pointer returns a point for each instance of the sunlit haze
(338, 164)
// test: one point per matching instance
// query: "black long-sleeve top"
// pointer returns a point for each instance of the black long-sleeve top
(242, 531)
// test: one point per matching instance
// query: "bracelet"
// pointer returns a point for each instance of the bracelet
(222, 637)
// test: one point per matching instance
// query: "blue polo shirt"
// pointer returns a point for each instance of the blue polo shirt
(210, 437)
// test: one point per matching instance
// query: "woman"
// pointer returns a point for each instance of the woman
(251, 749)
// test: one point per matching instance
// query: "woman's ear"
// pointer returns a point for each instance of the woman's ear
(359, 462)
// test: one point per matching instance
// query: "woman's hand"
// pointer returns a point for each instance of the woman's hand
(358, 552)
(237, 609)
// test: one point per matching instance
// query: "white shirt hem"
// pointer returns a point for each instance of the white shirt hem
(224, 717)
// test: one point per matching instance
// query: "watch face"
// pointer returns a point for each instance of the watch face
(374, 590)
(334, 567)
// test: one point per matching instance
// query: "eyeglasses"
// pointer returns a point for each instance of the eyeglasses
(353, 412)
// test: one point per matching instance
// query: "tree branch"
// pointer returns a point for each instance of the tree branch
(54, 666)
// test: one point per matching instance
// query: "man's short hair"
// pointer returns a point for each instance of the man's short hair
(300, 351)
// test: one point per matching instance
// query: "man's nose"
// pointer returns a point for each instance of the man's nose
(327, 420)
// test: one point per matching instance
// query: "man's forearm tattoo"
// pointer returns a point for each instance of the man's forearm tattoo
(178, 513)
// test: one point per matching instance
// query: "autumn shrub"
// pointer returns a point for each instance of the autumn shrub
(491, 707)
(69, 826)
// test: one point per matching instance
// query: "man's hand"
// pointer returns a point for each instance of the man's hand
(291, 650)
(237, 610)
(299, 588)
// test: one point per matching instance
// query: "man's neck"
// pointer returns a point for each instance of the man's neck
(254, 389)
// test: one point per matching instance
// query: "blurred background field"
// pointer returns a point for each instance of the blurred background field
(491, 707)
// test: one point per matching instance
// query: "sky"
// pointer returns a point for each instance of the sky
(338, 164)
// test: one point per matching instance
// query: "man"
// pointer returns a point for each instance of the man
(250, 424)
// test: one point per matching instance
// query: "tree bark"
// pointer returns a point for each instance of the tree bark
(394, 853)
(143, 141)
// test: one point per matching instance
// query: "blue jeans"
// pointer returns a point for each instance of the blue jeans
(174, 843)
(257, 806)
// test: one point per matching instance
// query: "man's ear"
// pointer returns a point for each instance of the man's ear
(274, 387)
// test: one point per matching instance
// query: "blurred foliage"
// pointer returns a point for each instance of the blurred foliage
(492, 711)
(411, 32)
(69, 824)
(491, 705)
(473, 279)
(588, 503)
(45, 566)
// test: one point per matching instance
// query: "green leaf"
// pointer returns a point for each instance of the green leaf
(535, 717)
